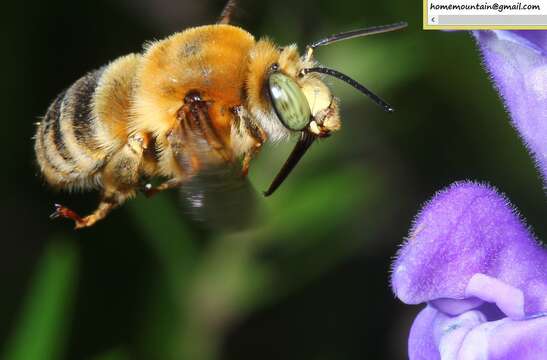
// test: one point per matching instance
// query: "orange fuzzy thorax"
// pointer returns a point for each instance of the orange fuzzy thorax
(211, 59)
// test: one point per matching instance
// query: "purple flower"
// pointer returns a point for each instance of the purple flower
(469, 256)
(517, 62)
(482, 274)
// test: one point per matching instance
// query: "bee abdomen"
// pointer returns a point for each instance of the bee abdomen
(86, 125)
(66, 147)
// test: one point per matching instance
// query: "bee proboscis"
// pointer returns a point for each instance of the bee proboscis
(206, 96)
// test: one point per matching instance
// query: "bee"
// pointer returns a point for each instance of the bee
(207, 96)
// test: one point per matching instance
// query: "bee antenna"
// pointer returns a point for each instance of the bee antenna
(226, 14)
(359, 33)
(337, 74)
(354, 34)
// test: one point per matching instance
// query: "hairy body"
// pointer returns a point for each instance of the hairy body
(209, 95)
(189, 101)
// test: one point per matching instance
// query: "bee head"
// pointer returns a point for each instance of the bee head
(302, 101)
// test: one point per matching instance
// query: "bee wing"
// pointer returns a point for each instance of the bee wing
(221, 198)
(217, 194)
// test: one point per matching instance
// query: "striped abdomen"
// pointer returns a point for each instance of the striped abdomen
(85, 125)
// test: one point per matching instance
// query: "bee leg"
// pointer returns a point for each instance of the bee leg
(175, 141)
(150, 191)
(64, 212)
(226, 14)
(254, 132)
(194, 114)
(120, 179)
(106, 205)
(248, 157)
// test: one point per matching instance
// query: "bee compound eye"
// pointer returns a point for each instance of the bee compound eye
(289, 102)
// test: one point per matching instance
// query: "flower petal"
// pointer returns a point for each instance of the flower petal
(465, 230)
(435, 335)
(421, 343)
(509, 299)
(517, 62)
(451, 332)
(507, 339)
(537, 38)
(456, 306)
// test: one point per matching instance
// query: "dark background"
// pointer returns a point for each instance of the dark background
(312, 280)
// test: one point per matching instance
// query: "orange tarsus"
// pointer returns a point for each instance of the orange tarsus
(64, 212)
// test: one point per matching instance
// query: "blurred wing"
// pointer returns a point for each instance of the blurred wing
(218, 195)
(221, 198)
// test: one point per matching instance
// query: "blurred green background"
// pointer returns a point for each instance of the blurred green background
(311, 280)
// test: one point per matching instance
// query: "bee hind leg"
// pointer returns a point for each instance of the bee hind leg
(107, 204)
(120, 178)
(64, 212)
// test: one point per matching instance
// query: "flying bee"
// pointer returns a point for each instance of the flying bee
(207, 96)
